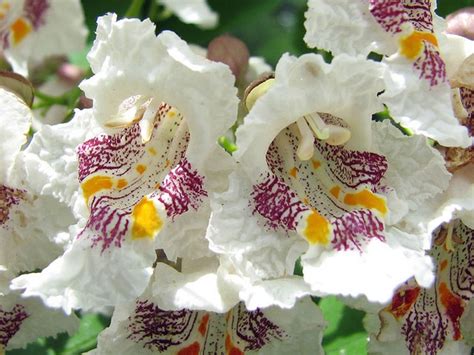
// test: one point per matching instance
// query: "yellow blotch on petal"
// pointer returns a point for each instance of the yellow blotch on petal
(318, 229)
(293, 172)
(121, 183)
(146, 220)
(152, 151)
(140, 168)
(335, 191)
(20, 30)
(95, 184)
(412, 45)
(316, 163)
(367, 199)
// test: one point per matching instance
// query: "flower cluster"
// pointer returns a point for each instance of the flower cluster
(134, 208)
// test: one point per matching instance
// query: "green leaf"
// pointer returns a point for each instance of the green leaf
(86, 337)
(345, 333)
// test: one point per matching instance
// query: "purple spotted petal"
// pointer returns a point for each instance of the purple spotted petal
(10, 322)
(208, 333)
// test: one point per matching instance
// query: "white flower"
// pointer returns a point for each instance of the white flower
(338, 199)
(144, 328)
(420, 320)
(32, 30)
(417, 90)
(32, 226)
(146, 182)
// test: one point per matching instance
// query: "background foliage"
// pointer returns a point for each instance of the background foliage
(269, 28)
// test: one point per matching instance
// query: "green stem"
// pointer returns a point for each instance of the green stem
(134, 8)
(153, 10)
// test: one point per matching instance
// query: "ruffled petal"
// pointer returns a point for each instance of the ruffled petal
(416, 65)
(144, 328)
(15, 118)
(343, 26)
(196, 12)
(167, 71)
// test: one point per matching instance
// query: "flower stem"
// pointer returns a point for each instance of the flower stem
(134, 8)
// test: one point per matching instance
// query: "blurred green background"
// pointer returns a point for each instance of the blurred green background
(269, 28)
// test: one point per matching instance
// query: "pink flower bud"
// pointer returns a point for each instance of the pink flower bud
(231, 51)
(461, 23)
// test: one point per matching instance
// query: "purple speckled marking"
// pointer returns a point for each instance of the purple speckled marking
(116, 153)
(393, 14)
(353, 168)
(9, 197)
(419, 14)
(170, 331)
(277, 203)
(430, 66)
(107, 226)
(158, 330)
(430, 322)
(35, 11)
(253, 330)
(390, 14)
(461, 272)
(118, 156)
(467, 99)
(424, 328)
(182, 188)
(10, 322)
(356, 228)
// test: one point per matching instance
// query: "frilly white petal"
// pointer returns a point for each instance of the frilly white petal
(83, 277)
(343, 26)
(15, 119)
(195, 12)
(416, 171)
(34, 233)
(48, 166)
(199, 289)
(163, 68)
(425, 110)
(455, 202)
(352, 273)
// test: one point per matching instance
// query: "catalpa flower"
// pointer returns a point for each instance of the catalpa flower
(26, 241)
(196, 12)
(143, 327)
(299, 191)
(146, 181)
(409, 33)
(31, 30)
(420, 320)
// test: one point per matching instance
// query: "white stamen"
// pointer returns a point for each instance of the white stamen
(148, 120)
(306, 148)
(338, 135)
(318, 126)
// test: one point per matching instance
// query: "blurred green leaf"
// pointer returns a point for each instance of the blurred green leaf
(345, 333)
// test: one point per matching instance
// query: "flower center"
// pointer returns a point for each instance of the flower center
(314, 124)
